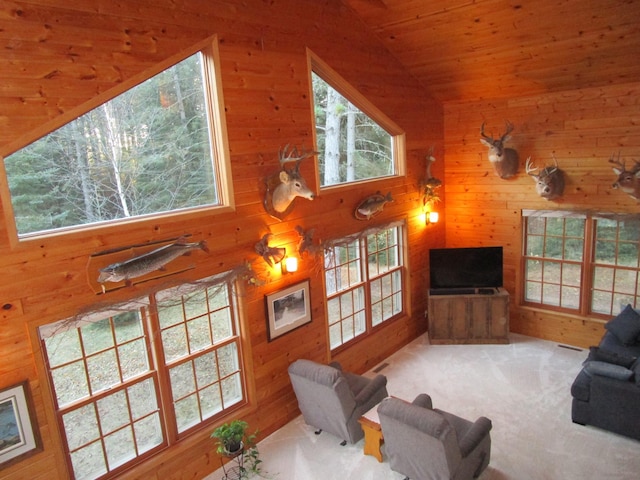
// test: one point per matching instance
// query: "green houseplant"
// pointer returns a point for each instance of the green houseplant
(232, 440)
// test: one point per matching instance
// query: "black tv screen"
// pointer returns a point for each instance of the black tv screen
(474, 267)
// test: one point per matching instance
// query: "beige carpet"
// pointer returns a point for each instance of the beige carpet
(522, 387)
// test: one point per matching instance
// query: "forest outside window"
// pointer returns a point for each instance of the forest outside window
(364, 279)
(155, 148)
(107, 371)
(583, 263)
(356, 141)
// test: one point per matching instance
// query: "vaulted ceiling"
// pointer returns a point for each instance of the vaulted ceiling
(464, 50)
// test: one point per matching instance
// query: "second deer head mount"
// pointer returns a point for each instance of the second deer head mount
(504, 160)
(549, 182)
(284, 186)
(628, 180)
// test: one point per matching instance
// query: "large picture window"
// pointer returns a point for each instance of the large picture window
(154, 148)
(356, 142)
(583, 263)
(106, 373)
(364, 284)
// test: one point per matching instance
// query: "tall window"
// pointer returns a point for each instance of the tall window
(150, 150)
(583, 263)
(355, 141)
(106, 372)
(363, 282)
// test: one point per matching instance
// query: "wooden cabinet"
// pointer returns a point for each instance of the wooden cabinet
(472, 318)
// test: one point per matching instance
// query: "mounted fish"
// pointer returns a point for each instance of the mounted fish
(271, 255)
(504, 160)
(372, 206)
(148, 262)
(628, 180)
(549, 182)
(430, 184)
(284, 186)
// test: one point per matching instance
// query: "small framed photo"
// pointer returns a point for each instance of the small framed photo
(288, 309)
(19, 434)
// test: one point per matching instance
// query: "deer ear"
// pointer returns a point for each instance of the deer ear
(284, 176)
(485, 142)
(617, 171)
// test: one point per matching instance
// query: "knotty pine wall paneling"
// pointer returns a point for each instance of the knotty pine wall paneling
(582, 128)
(60, 58)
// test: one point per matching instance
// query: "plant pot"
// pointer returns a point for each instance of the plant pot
(233, 449)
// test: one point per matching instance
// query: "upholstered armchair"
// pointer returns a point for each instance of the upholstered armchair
(333, 400)
(426, 443)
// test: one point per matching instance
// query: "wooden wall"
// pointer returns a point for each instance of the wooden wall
(60, 57)
(582, 128)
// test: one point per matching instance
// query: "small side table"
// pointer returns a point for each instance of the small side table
(235, 470)
(373, 439)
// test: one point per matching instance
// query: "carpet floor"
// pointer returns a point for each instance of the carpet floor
(523, 387)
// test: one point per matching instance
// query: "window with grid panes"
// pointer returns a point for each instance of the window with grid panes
(363, 282)
(105, 372)
(587, 263)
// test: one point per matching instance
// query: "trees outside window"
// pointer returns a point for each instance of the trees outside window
(149, 150)
(587, 264)
(109, 372)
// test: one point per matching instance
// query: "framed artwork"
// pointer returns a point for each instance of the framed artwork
(288, 309)
(19, 435)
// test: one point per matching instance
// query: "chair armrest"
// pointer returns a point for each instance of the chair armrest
(378, 382)
(474, 435)
(423, 400)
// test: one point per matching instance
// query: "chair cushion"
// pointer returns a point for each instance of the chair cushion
(600, 354)
(625, 326)
(608, 370)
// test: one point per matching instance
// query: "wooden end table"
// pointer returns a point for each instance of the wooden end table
(373, 439)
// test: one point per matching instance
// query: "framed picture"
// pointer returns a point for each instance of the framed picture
(288, 309)
(19, 435)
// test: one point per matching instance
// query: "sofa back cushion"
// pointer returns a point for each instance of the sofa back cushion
(625, 326)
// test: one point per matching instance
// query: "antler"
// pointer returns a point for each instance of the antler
(528, 166)
(483, 134)
(293, 156)
(508, 130)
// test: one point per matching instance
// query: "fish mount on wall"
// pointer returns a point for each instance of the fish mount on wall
(284, 186)
(372, 206)
(139, 267)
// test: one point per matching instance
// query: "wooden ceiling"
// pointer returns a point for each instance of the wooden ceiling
(463, 50)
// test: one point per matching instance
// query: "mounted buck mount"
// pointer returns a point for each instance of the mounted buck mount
(283, 187)
(628, 180)
(504, 160)
(550, 180)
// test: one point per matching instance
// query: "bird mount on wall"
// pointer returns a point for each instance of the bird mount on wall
(372, 206)
(550, 180)
(287, 184)
(628, 180)
(504, 160)
(271, 255)
(429, 185)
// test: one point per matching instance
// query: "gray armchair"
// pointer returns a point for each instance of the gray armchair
(425, 443)
(333, 400)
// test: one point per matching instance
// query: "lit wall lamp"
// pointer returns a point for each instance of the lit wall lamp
(289, 265)
(431, 217)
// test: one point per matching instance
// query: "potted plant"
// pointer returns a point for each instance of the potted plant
(232, 440)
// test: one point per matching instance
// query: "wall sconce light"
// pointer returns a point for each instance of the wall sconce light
(431, 217)
(289, 265)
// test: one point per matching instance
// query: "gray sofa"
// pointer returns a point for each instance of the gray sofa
(606, 392)
(333, 400)
(426, 443)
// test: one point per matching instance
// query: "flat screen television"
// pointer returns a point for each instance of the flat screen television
(465, 268)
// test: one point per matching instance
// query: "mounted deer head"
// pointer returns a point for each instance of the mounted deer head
(549, 182)
(628, 180)
(288, 184)
(504, 160)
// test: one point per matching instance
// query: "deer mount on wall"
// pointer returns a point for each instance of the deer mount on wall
(550, 180)
(628, 180)
(287, 184)
(504, 160)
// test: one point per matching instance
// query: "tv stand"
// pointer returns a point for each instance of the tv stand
(478, 317)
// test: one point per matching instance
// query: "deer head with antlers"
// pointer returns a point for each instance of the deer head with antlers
(504, 160)
(550, 180)
(628, 180)
(287, 184)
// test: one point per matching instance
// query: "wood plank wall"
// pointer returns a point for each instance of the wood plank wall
(58, 57)
(583, 128)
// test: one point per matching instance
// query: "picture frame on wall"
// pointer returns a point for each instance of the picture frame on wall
(288, 309)
(19, 434)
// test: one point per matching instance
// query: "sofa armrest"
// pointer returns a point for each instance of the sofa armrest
(474, 435)
(336, 365)
(377, 383)
(423, 400)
